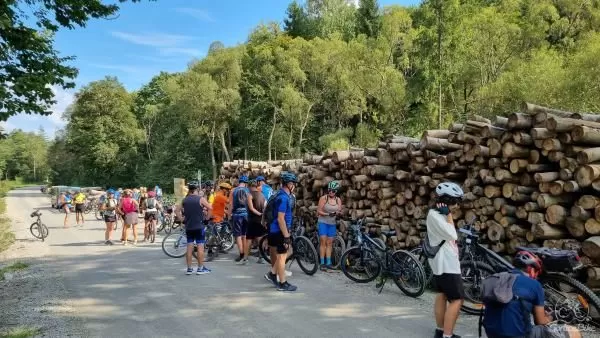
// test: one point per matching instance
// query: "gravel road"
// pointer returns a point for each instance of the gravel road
(84, 288)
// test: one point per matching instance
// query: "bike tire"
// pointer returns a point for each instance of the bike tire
(160, 227)
(338, 247)
(174, 241)
(305, 254)
(36, 231)
(410, 267)
(369, 263)
(263, 249)
(45, 231)
(472, 274)
(580, 289)
(228, 240)
(418, 252)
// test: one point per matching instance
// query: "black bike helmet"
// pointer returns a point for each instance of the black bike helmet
(193, 185)
(207, 185)
(529, 262)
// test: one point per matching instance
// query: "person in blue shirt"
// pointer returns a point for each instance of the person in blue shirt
(239, 203)
(514, 318)
(279, 231)
(266, 190)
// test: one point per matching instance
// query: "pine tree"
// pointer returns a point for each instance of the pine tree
(368, 20)
(297, 23)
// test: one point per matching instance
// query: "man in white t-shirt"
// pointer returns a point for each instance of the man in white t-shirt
(445, 265)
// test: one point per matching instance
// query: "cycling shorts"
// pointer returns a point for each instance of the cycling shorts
(151, 216)
(240, 225)
(196, 235)
(328, 230)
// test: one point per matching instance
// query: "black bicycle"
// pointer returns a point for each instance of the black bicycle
(370, 260)
(303, 251)
(338, 246)
(567, 300)
(38, 229)
(219, 238)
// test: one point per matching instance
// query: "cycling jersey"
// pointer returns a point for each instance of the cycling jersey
(240, 201)
(79, 198)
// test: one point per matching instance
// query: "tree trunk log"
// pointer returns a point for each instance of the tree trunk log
(576, 227)
(541, 134)
(587, 135)
(546, 177)
(546, 231)
(511, 150)
(592, 226)
(556, 214)
(495, 232)
(588, 201)
(546, 200)
(588, 155)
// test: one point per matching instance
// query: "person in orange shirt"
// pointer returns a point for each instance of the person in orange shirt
(220, 202)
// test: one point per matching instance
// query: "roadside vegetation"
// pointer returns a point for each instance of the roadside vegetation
(20, 332)
(7, 237)
(11, 268)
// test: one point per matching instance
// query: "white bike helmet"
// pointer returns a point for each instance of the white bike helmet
(449, 189)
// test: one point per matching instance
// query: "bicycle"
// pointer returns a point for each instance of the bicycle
(219, 238)
(567, 299)
(177, 242)
(338, 246)
(150, 229)
(371, 259)
(165, 220)
(38, 229)
(303, 251)
(90, 205)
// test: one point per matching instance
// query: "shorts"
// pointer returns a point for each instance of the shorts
(196, 235)
(542, 331)
(131, 218)
(328, 230)
(151, 216)
(79, 207)
(240, 225)
(276, 240)
(110, 219)
(450, 284)
(255, 230)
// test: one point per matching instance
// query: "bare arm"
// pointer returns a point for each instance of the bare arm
(205, 204)
(540, 316)
(282, 225)
(321, 207)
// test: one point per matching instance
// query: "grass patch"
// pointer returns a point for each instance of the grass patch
(14, 267)
(20, 332)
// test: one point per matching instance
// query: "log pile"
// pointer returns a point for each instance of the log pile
(530, 179)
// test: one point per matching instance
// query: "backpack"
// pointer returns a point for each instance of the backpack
(268, 215)
(498, 289)
(128, 206)
(151, 203)
(428, 250)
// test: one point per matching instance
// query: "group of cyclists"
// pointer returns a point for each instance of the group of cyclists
(255, 210)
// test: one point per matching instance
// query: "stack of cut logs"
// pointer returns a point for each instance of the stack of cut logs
(530, 179)
(269, 169)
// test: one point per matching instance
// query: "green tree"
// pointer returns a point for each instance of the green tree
(297, 23)
(103, 134)
(29, 64)
(368, 20)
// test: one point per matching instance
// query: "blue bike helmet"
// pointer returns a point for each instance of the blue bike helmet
(260, 178)
(243, 179)
(287, 177)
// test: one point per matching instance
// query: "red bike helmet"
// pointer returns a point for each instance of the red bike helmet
(529, 262)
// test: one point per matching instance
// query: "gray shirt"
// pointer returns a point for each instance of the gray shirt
(329, 208)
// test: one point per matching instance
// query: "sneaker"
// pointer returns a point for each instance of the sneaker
(203, 271)
(260, 261)
(106, 242)
(286, 287)
(271, 278)
(189, 271)
(324, 268)
(243, 262)
(110, 242)
(238, 259)
(438, 333)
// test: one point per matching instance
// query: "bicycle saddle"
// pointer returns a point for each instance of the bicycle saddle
(389, 233)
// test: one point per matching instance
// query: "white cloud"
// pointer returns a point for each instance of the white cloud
(196, 13)
(64, 98)
(153, 39)
(181, 50)
(7, 127)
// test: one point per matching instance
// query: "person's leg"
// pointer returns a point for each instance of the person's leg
(439, 309)
(451, 315)
(273, 254)
(247, 245)
(106, 232)
(572, 331)
(66, 222)
(280, 267)
(125, 228)
(328, 250)
(200, 255)
(322, 249)
(133, 228)
(189, 254)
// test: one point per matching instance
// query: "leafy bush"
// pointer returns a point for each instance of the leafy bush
(340, 140)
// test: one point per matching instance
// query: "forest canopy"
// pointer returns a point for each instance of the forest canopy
(333, 75)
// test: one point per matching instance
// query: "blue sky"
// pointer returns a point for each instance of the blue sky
(148, 37)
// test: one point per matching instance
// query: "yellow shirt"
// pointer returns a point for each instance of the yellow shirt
(79, 198)
(211, 198)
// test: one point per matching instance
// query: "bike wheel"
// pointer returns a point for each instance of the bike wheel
(418, 252)
(473, 273)
(263, 248)
(361, 261)
(338, 248)
(45, 231)
(569, 301)
(161, 226)
(175, 245)
(227, 239)
(408, 273)
(306, 255)
(36, 230)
